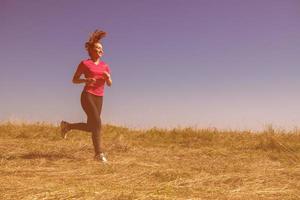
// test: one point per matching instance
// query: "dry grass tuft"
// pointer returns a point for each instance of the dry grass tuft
(35, 163)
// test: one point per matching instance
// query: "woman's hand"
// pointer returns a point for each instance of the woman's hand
(107, 78)
(106, 75)
(90, 81)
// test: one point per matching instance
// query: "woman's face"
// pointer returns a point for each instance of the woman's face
(96, 51)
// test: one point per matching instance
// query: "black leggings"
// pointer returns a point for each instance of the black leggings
(92, 106)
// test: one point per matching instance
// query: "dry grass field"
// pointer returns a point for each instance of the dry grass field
(35, 163)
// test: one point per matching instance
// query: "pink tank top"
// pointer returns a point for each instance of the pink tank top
(91, 70)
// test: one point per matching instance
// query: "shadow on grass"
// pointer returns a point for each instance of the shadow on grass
(48, 156)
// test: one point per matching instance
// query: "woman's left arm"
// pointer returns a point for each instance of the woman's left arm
(107, 78)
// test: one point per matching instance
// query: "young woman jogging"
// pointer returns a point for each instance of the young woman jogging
(96, 75)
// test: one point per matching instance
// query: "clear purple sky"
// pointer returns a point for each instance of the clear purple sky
(201, 63)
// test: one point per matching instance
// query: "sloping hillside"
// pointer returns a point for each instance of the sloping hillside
(35, 163)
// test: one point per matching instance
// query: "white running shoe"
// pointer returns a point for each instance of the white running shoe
(64, 129)
(101, 158)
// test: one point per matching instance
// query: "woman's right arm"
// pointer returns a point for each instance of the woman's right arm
(76, 77)
(77, 80)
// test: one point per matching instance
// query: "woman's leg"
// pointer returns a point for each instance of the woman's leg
(95, 123)
(78, 126)
(92, 106)
(98, 133)
(82, 126)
